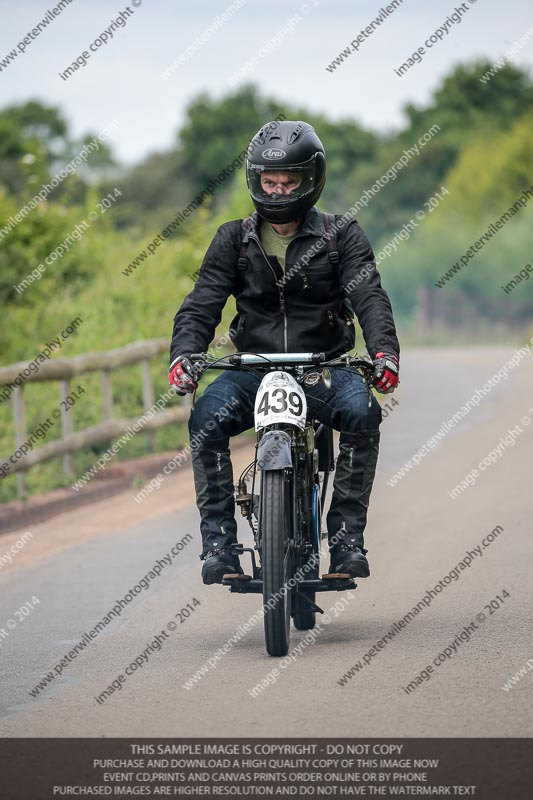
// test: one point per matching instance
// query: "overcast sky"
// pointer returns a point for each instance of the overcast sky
(122, 79)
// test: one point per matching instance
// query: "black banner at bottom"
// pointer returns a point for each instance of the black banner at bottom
(486, 769)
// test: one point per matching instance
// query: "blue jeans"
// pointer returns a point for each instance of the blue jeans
(226, 409)
(343, 407)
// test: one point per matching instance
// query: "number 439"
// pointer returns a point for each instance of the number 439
(284, 401)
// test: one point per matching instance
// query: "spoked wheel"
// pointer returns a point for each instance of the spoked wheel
(275, 560)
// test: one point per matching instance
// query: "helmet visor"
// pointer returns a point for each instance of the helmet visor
(279, 186)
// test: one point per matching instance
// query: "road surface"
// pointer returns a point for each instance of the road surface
(76, 567)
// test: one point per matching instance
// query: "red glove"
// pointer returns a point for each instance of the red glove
(386, 369)
(181, 374)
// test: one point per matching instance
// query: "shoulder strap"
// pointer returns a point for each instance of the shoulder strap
(333, 253)
(243, 257)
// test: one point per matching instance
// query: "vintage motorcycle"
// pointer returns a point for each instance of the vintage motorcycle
(292, 452)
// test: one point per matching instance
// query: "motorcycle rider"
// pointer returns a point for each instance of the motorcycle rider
(298, 279)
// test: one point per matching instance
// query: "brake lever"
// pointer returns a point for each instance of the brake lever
(199, 365)
(198, 370)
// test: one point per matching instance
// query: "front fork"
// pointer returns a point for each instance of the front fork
(286, 448)
(274, 450)
(305, 536)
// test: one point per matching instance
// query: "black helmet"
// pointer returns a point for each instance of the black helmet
(286, 146)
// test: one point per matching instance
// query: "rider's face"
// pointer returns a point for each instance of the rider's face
(280, 182)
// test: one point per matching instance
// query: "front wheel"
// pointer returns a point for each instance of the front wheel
(275, 560)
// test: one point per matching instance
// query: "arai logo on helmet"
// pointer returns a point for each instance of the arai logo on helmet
(273, 153)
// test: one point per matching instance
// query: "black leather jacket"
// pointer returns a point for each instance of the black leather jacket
(309, 309)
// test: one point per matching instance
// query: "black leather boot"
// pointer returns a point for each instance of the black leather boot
(218, 563)
(346, 519)
(213, 480)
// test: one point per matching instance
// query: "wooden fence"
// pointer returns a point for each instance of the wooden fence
(63, 370)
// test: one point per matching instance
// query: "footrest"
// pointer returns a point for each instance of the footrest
(336, 582)
(243, 584)
(336, 576)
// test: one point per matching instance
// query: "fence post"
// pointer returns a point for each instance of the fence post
(148, 397)
(424, 311)
(108, 394)
(66, 427)
(20, 433)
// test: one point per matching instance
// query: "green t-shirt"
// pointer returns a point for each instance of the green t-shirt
(274, 244)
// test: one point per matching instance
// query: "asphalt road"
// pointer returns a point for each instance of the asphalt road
(80, 563)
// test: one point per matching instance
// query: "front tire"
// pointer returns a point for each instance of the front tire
(275, 560)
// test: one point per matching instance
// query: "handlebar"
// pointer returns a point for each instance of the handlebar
(240, 361)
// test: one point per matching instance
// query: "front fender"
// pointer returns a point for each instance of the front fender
(274, 450)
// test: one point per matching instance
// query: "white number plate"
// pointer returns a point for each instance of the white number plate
(280, 399)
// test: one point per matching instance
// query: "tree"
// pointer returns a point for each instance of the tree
(492, 172)
(216, 131)
(463, 105)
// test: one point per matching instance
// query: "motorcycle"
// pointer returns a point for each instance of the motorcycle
(292, 451)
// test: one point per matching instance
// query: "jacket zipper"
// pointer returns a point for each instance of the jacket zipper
(280, 291)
